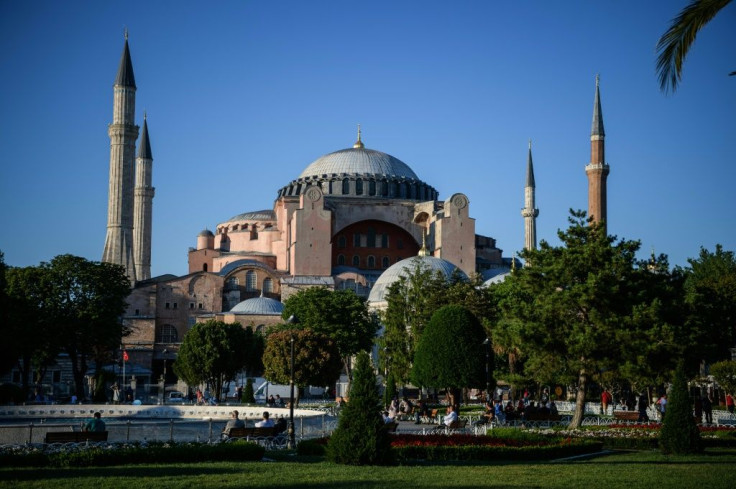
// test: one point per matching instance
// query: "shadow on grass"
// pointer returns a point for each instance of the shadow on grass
(125, 471)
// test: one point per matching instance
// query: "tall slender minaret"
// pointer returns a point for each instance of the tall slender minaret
(529, 212)
(143, 209)
(123, 133)
(597, 170)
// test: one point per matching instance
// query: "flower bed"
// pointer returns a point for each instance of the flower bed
(487, 448)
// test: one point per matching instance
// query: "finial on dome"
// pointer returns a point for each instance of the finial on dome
(423, 250)
(358, 143)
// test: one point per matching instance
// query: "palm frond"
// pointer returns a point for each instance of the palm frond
(673, 46)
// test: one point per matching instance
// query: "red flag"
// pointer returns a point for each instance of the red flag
(125, 356)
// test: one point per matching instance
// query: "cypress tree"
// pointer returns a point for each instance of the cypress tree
(248, 395)
(361, 437)
(679, 434)
(390, 392)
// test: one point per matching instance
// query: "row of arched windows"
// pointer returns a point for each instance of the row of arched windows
(370, 261)
(251, 283)
(365, 240)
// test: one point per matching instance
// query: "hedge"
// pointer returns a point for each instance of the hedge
(494, 453)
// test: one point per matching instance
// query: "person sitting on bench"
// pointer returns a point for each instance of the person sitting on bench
(95, 424)
(233, 422)
(266, 422)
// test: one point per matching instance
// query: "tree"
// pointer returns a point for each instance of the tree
(451, 354)
(679, 434)
(725, 374)
(340, 315)
(248, 394)
(211, 352)
(674, 44)
(412, 300)
(710, 293)
(84, 301)
(316, 359)
(361, 437)
(568, 310)
(31, 339)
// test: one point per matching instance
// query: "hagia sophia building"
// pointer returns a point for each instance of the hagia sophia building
(353, 219)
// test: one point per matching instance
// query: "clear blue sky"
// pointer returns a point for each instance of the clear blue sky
(242, 96)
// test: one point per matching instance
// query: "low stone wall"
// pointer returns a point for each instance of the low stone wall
(144, 411)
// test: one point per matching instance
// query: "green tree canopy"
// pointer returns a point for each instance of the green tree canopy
(451, 353)
(212, 352)
(340, 315)
(571, 309)
(412, 300)
(84, 301)
(725, 374)
(679, 434)
(710, 293)
(316, 358)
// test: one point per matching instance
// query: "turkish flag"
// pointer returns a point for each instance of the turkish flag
(125, 356)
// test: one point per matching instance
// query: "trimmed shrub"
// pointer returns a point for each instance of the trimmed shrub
(317, 446)
(568, 448)
(361, 437)
(390, 392)
(248, 394)
(679, 434)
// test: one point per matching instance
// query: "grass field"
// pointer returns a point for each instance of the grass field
(631, 470)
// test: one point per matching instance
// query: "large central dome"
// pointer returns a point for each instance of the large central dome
(358, 161)
(363, 173)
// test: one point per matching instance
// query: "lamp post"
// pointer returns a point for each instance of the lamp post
(487, 343)
(163, 377)
(292, 441)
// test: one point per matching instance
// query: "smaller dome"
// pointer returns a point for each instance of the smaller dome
(263, 306)
(404, 267)
(264, 215)
(206, 232)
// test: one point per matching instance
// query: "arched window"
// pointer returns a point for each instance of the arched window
(345, 186)
(356, 261)
(254, 232)
(261, 328)
(232, 283)
(385, 262)
(384, 188)
(371, 262)
(384, 240)
(251, 281)
(267, 286)
(168, 334)
(342, 242)
(371, 238)
(394, 190)
(204, 267)
(359, 187)
(372, 187)
(341, 259)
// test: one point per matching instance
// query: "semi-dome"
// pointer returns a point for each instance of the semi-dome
(263, 306)
(406, 266)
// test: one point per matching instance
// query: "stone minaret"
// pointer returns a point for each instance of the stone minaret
(529, 212)
(597, 170)
(123, 133)
(143, 209)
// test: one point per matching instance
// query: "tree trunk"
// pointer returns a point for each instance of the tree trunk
(577, 419)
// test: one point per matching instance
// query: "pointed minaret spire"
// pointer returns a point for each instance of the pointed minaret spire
(529, 212)
(358, 143)
(597, 170)
(143, 206)
(123, 133)
(125, 77)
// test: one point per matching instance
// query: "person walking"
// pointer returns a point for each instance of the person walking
(708, 409)
(729, 403)
(643, 405)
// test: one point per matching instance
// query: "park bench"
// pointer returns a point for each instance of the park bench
(455, 426)
(541, 417)
(269, 437)
(75, 436)
(391, 427)
(626, 415)
(431, 418)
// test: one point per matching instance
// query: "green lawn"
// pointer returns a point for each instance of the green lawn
(651, 470)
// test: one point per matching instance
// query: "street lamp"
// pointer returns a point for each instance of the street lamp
(487, 343)
(292, 441)
(163, 377)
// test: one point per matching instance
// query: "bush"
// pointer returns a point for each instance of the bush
(679, 434)
(248, 394)
(136, 454)
(317, 446)
(568, 448)
(361, 437)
